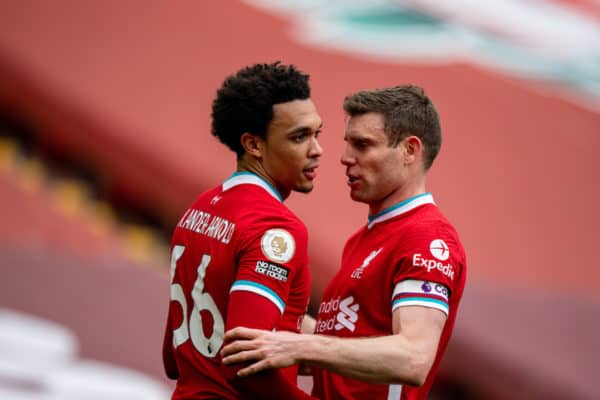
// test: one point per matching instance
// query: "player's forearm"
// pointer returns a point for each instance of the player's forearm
(386, 359)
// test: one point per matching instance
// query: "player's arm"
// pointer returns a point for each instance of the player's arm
(404, 357)
(257, 300)
(247, 309)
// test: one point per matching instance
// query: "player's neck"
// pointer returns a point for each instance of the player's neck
(401, 194)
(255, 167)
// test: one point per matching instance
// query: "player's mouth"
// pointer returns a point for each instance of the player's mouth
(310, 173)
(352, 179)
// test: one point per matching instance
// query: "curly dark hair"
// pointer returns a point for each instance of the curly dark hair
(245, 100)
(406, 111)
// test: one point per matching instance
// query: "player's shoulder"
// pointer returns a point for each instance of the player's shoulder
(357, 235)
(277, 215)
(429, 224)
(279, 231)
(207, 194)
(431, 246)
(263, 204)
(261, 212)
(431, 219)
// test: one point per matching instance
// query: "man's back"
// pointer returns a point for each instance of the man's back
(237, 239)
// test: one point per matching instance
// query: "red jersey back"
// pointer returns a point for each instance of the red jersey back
(236, 238)
(408, 254)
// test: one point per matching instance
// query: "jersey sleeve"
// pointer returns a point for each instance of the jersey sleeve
(427, 269)
(248, 309)
(271, 256)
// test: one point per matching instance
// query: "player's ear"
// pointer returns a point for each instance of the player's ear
(413, 147)
(252, 144)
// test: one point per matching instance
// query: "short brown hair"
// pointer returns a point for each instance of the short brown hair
(406, 111)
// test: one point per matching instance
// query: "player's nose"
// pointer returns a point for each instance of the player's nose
(347, 157)
(315, 149)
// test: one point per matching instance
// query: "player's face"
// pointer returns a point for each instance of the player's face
(292, 151)
(375, 171)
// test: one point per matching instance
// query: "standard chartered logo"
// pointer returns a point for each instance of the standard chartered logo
(345, 318)
(348, 314)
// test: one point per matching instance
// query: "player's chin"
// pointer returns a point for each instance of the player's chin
(358, 196)
(304, 187)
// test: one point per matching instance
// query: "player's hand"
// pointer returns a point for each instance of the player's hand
(268, 349)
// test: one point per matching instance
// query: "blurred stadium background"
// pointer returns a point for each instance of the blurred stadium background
(104, 141)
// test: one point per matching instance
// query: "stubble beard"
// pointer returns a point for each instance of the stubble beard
(359, 197)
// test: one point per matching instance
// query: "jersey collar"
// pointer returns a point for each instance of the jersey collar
(245, 177)
(400, 208)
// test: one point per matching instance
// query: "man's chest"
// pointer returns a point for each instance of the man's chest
(358, 299)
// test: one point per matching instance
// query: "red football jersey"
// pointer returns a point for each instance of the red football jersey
(239, 258)
(408, 254)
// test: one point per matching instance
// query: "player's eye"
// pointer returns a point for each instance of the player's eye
(299, 138)
(360, 145)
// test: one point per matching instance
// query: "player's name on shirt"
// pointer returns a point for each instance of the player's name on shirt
(204, 223)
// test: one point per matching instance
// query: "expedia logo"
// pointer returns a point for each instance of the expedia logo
(346, 317)
(446, 269)
(439, 249)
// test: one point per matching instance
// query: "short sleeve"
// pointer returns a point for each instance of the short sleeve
(428, 268)
(273, 252)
